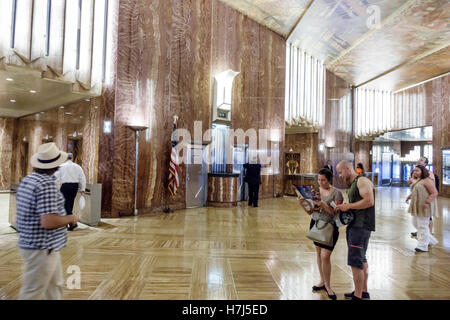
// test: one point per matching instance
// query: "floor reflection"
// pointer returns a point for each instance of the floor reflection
(241, 253)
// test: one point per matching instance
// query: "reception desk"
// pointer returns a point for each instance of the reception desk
(89, 215)
(223, 189)
(303, 179)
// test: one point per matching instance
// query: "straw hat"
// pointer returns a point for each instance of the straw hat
(48, 157)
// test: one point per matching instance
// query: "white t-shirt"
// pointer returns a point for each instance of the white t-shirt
(70, 172)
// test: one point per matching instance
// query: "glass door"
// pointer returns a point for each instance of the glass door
(386, 168)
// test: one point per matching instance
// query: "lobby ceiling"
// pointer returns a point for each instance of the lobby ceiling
(23, 91)
(409, 43)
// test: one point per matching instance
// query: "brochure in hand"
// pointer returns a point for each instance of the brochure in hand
(308, 194)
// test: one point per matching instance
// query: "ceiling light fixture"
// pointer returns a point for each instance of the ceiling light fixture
(68, 113)
(62, 107)
(32, 91)
(12, 100)
(9, 79)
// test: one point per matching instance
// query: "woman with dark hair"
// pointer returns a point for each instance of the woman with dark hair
(423, 193)
(328, 195)
(359, 169)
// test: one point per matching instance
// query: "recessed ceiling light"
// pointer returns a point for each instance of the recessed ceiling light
(9, 79)
(32, 91)
(12, 100)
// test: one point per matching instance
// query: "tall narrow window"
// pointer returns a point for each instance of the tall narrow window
(287, 88)
(13, 23)
(219, 141)
(80, 7)
(105, 37)
(49, 21)
(304, 101)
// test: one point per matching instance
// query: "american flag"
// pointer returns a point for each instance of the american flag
(174, 168)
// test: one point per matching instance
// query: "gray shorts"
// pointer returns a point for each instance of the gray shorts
(357, 242)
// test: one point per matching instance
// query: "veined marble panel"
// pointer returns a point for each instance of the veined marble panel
(6, 151)
(168, 53)
(107, 111)
(441, 125)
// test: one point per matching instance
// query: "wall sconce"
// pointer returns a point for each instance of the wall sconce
(321, 147)
(223, 87)
(106, 126)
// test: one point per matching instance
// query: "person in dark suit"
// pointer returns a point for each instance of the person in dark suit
(329, 166)
(253, 178)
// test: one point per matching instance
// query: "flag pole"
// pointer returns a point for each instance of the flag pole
(167, 208)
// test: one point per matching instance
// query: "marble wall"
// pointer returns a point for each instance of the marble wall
(441, 125)
(167, 54)
(78, 120)
(336, 143)
(437, 99)
(107, 113)
(7, 126)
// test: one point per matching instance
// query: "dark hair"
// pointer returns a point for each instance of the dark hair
(426, 160)
(360, 165)
(425, 174)
(327, 173)
(46, 171)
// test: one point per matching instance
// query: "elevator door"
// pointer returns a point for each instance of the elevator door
(196, 177)
(240, 156)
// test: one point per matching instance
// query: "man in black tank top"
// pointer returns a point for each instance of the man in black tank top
(362, 203)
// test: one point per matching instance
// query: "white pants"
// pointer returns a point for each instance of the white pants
(43, 276)
(424, 237)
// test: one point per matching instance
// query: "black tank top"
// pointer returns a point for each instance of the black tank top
(364, 218)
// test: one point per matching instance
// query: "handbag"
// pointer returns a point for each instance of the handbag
(322, 233)
(82, 202)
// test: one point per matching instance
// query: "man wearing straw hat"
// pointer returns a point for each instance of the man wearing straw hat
(41, 222)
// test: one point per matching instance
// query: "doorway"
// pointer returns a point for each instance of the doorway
(75, 146)
(240, 156)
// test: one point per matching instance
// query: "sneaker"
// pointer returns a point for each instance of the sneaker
(365, 295)
(420, 250)
(413, 234)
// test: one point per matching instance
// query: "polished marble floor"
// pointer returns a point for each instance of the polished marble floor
(241, 253)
